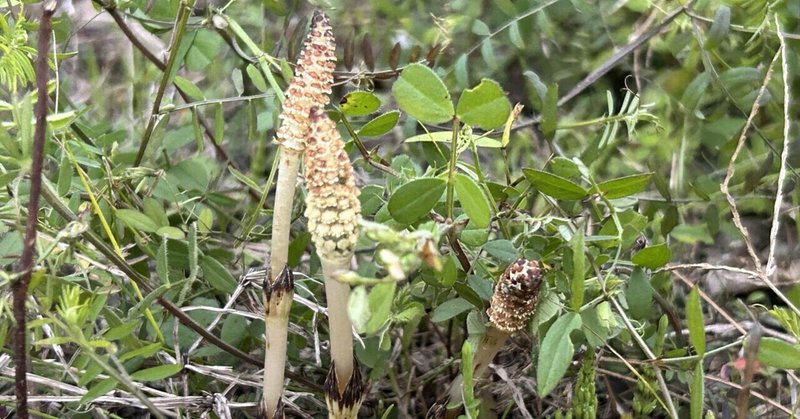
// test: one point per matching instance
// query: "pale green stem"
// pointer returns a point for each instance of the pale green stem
(493, 340)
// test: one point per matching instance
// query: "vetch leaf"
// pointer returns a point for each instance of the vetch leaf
(502, 250)
(257, 78)
(719, 28)
(99, 389)
(137, 220)
(422, 95)
(694, 319)
(122, 330)
(189, 88)
(556, 353)
(639, 294)
(473, 201)
(555, 186)
(449, 309)
(550, 112)
(415, 199)
(779, 354)
(157, 373)
(624, 186)
(485, 105)
(359, 103)
(380, 124)
(516, 37)
(144, 351)
(380, 306)
(216, 275)
(652, 256)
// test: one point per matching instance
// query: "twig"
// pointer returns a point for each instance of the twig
(787, 123)
(180, 26)
(25, 267)
(611, 62)
(724, 188)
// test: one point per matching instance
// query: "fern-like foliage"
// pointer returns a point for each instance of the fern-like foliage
(16, 57)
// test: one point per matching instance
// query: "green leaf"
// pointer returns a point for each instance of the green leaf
(550, 112)
(257, 78)
(449, 309)
(652, 256)
(473, 201)
(358, 308)
(554, 186)
(479, 28)
(697, 392)
(556, 353)
(502, 250)
(380, 306)
(578, 270)
(719, 28)
(485, 105)
(189, 88)
(157, 373)
(144, 352)
(624, 186)
(190, 174)
(694, 319)
(779, 354)
(122, 330)
(415, 199)
(359, 103)
(422, 95)
(639, 294)
(516, 37)
(380, 125)
(216, 275)
(231, 331)
(695, 91)
(137, 220)
(99, 389)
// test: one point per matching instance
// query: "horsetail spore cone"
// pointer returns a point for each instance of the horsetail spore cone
(278, 296)
(513, 303)
(333, 211)
(310, 87)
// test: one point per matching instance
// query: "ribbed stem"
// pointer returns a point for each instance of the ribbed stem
(278, 296)
(274, 363)
(282, 212)
(340, 326)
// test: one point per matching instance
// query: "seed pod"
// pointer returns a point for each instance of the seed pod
(311, 85)
(332, 206)
(515, 295)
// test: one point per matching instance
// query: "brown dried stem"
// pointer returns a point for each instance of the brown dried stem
(25, 267)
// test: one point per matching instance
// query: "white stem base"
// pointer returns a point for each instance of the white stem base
(341, 328)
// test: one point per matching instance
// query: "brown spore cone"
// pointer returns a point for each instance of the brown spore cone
(515, 295)
(311, 84)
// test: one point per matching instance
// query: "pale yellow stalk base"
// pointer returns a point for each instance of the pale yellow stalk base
(282, 213)
(274, 364)
(340, 327)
